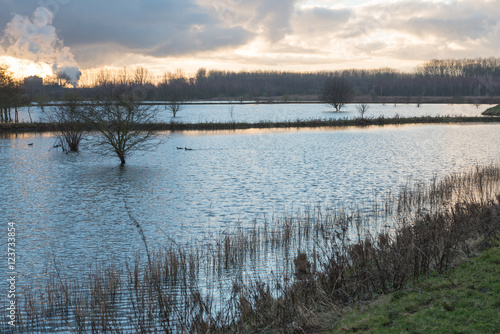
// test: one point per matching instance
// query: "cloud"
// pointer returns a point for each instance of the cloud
(323, 31)
(448, 30)
(35, 39)
(155, 28)
(320, 21)
(268, 19)
(317, 29)
(152, 28)
(456, 21)
(401, 30)
(160, 28)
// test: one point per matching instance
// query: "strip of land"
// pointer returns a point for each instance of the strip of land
(493, 111)
(315, 123)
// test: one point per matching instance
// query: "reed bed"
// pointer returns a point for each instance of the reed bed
(306, 267)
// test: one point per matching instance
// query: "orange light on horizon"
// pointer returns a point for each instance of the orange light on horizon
(23, 68)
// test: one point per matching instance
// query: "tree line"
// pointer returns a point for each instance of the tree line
(434, 78)
(456, 78)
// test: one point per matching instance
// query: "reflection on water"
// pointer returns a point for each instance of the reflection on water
(70, 209)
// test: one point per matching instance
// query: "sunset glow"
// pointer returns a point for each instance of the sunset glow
(22, 68)
(235, 35)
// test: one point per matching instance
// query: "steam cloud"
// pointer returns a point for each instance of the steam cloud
(36, 39)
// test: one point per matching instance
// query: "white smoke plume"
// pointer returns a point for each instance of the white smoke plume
(36, 39)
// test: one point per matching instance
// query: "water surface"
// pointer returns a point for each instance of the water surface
(71, 209)
(252, 113)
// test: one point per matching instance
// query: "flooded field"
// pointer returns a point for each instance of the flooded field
(253, 113)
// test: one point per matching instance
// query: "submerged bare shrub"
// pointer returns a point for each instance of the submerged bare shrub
(124, 124)
(67, 118)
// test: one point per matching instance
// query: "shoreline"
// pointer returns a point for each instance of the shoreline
(433, 302)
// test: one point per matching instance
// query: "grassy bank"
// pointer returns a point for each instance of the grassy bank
(463, 300)
(331, 260)
(493, 111)
(314, 123)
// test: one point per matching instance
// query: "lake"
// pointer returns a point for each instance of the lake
(69, 206)
(74, 210)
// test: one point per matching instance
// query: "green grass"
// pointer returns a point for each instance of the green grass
(464, 300)
(493, 111)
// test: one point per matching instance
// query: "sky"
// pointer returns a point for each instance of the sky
(282, 35)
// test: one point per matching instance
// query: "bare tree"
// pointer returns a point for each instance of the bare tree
(337, 91)
(124, 124)
(362, 109)
(67, 118)
(103, 78)
(141, 76)
(174, 104)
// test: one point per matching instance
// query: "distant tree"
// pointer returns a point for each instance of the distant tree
(6, 94)
(104, 78)
(19, 97)
(124, 124)
(63, 79)
(69, 123)
(201, 76)
(41, 100)
(337, 91)
(141, 76)
(362, 109)
(174, 103)
(12, 95)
